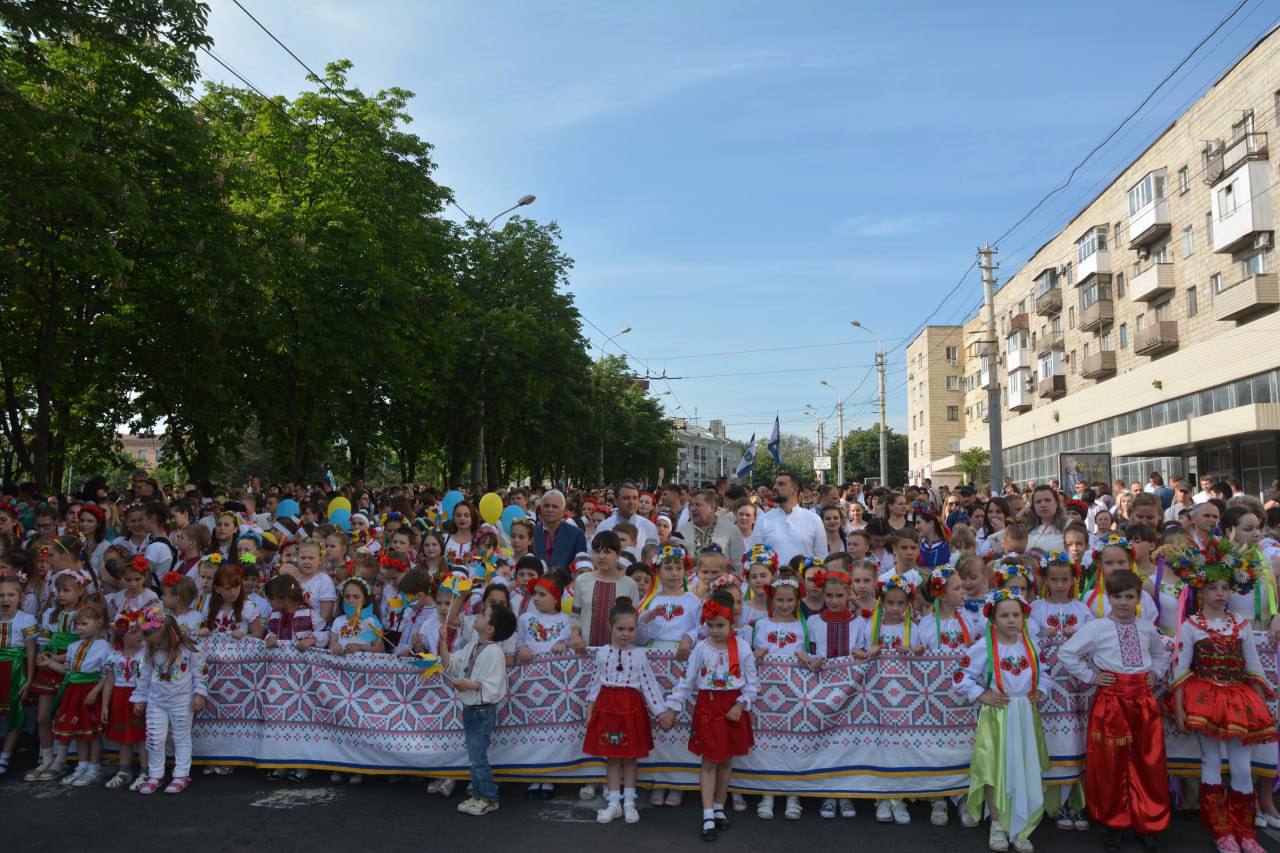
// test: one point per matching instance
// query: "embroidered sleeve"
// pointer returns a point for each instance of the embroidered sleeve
(969, 679)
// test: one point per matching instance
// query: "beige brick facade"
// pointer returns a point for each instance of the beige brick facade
(935, 383)
(1182, 243)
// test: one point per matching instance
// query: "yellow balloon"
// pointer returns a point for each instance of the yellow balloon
(491, 508)
(338, 503)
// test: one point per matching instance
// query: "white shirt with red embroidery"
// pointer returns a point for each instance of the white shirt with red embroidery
(225, 621)
(125, 669)
(821, 631)
(1106, 645)
(955, 636)
(708, 669)
(541, 631)
(1018, 671)
(779, 639)
(318, 589)
(677, 617)
(1060, 617)
(626, 668)
(893, 638)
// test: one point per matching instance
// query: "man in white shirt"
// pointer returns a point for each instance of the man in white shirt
(706, 527)
(1206, 483)
(788, 528)
(628, 510)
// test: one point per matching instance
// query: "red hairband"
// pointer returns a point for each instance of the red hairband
(171, 579)
(392, 562)
(820, 578)
(543, 583)
(712, 609)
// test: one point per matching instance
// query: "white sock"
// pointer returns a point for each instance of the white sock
(613, 796)
(629, 794)
(708, 814)
(60, 753)
(717, 807)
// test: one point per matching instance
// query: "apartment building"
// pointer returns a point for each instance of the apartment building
(704, 454)
(1147, 327)
(935, 398)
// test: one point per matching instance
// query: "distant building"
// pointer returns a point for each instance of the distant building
(705, 453)
(144, 450)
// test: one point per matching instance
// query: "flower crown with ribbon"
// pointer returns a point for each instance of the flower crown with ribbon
(1220, 560)
(1008, 568)
(938, 580)
(78, 575)
(1116, 540)
(788, 581)
(1078, 505)
(712, 609)
(152, 618)
(810, 562)
(672, 554)
(998, 595)
(907, 583)
(820, 578)
(362, 583)
(761, 555)
(726, 579)
(386, 561)
(551, 587)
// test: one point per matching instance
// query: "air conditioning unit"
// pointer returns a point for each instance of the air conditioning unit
(1264, 240)
(1144, 253)
(1062, 269)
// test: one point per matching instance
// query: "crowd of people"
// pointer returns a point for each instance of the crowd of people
(106, 601)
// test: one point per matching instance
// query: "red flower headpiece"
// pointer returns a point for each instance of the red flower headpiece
(141, 564)
(712, 609)
(390, 562)
(171, 578)
(544, 583)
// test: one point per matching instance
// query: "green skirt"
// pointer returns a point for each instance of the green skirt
(989, 763)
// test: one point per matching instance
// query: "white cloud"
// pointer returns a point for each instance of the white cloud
(887, 226)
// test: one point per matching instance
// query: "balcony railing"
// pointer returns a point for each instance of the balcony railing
(1224, 161)
(1153, 282)
(1019, 396)
(1051, 341)
(1049, 302)
(1253, 295)
(1096, 315)
(1159, 337)
(1099, 364)
(1052, 387)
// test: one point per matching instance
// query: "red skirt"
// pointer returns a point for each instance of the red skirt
(713, 736)
(76, 719)
(620, 727)
(1227, 711)
(45, 682)
(124, 726)
(6, 681)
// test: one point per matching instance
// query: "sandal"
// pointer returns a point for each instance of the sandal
(119, 780)
(149, 787)
(137, 783)
(178, 785)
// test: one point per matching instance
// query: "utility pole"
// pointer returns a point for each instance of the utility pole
(840, 444)
(993, 383)
(884, 430)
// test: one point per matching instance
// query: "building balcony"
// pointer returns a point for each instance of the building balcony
(1099, 365)
(1153, 282)
(1049, 302)
(1240, 203)
(1097, 315)
(1020, 322)
(1099, 263)
(1019, 391)
(1017, 358)
(1051, 341)
(1149, 224)
(1053, 387)
(1242, 300)
(1160, 337)
(1223, 163)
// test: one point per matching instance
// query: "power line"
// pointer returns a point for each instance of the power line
(861, 341)
(286, 49)
(1120, 126)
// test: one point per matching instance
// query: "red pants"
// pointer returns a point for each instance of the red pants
(1126, 780)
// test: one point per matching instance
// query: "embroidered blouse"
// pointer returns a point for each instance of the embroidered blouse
(708, 669)
(1017, 670)
(626, 668)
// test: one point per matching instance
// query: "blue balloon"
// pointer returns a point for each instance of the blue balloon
(449, 501)
(288, 508)
(341, 517)
(509, 515)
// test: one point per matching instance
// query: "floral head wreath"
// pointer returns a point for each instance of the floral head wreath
(214, 559)
(998, 595)
(391, 516)
(925, 510)
(673, 554)
(363, 584)
(810, 562)
(388, 562)
(171, 578)
(1220, 560)
(1115, 540)
(1008, 568)
(78, 575)
(140, 564)
(938, 580)
(892, 580)
(7, 508)
(788, 581)
(761, 555)
(152, 619)
(726, 579)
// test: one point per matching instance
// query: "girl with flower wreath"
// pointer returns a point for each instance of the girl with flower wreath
(1219, 691)
(1116, 554)
(1003, 672)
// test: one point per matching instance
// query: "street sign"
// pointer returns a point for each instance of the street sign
(822, 463)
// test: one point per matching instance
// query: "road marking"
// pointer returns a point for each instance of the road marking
(292, 798)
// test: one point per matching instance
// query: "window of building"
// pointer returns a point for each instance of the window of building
(953, 355)
(1192, 307)
(1085, 352)
(1105, 343)
(1046, 281)
(968, 412)
(1094, 291)
(1242, 127)
(1140, 322)
(1071, 316)
(1215, 284)
(982, 409)
(1055, 323)
(1094, 240)
(953, 383)
(1147, 192)
(1124, 336)
(1164, 311)
(1184, 181)
(1208, 228)
(953, 413)
(1071, 361)
(1276, 110)
(1188, 241)
(1227, 200)
(1119, 285)
(1252, 264)
(1071, 273)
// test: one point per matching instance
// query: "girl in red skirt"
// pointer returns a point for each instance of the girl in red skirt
(124, 726)
(623, 691)
(57, 633)
(79, 717)
(723, 671)
(1219, 692)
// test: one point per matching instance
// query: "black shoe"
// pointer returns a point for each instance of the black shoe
(1111, 841)
(532, 793)
(1150, 843)
(548, 793)
(708, 830)
(722, 821)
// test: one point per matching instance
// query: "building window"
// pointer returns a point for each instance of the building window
(1071, 316)
(1227, 200)
(1252, 264)
(1105, 343)
(1071, 361)
(1188, 241)
(1184, 181)
(953, 355)
(1094, 240)
(1208, 228)
(1147, 192)
(1119, 285)
(1085, 352)
(1215, 284)
(1164, 310)
(1276, 110)
(1124, 336)
(968, 412)
(1192, 307)
(953, 413)
(953, 383)
(1141, 322)
(1071, 273)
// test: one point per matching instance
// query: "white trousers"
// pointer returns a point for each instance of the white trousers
(163, 720)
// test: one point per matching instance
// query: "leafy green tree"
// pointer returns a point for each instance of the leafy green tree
(797, 456)
(974, 463)
(862, 456)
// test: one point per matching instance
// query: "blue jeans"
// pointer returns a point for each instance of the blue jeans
(477, 726)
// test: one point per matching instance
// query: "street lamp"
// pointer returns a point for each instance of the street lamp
(840, 437)
(884, 435)
(477, 465)
(607, 341)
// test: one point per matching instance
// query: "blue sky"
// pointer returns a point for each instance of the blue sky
(738, 176)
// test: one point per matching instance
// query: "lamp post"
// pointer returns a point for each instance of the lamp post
(840, 436)
(884, 435)
(483, 226)
(600, 361)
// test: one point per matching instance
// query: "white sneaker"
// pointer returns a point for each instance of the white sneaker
(609, 813)
(71, 777)
(938, 813)
(967, 820)
(629, 811)
(794, 809)
(998, 839)
(764, 811)
(884, 811)
(587, 792)
(446, 787)
(88, 777)
(657, 797)
(433, 787)
(828, 809)
(900, 813)
(848, 809)
(137, 783)
(34, 773)
(739, 802)
(1023, 845)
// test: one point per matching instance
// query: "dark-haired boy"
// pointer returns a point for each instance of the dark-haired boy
(478, 672)
(1126, 778)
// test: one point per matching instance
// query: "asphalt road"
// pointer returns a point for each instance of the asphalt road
(245, 811)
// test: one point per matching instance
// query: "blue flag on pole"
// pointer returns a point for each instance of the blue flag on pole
(748, 459)
(775, 442)
(333, 484)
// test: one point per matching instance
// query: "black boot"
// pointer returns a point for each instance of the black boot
(1111, 840)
